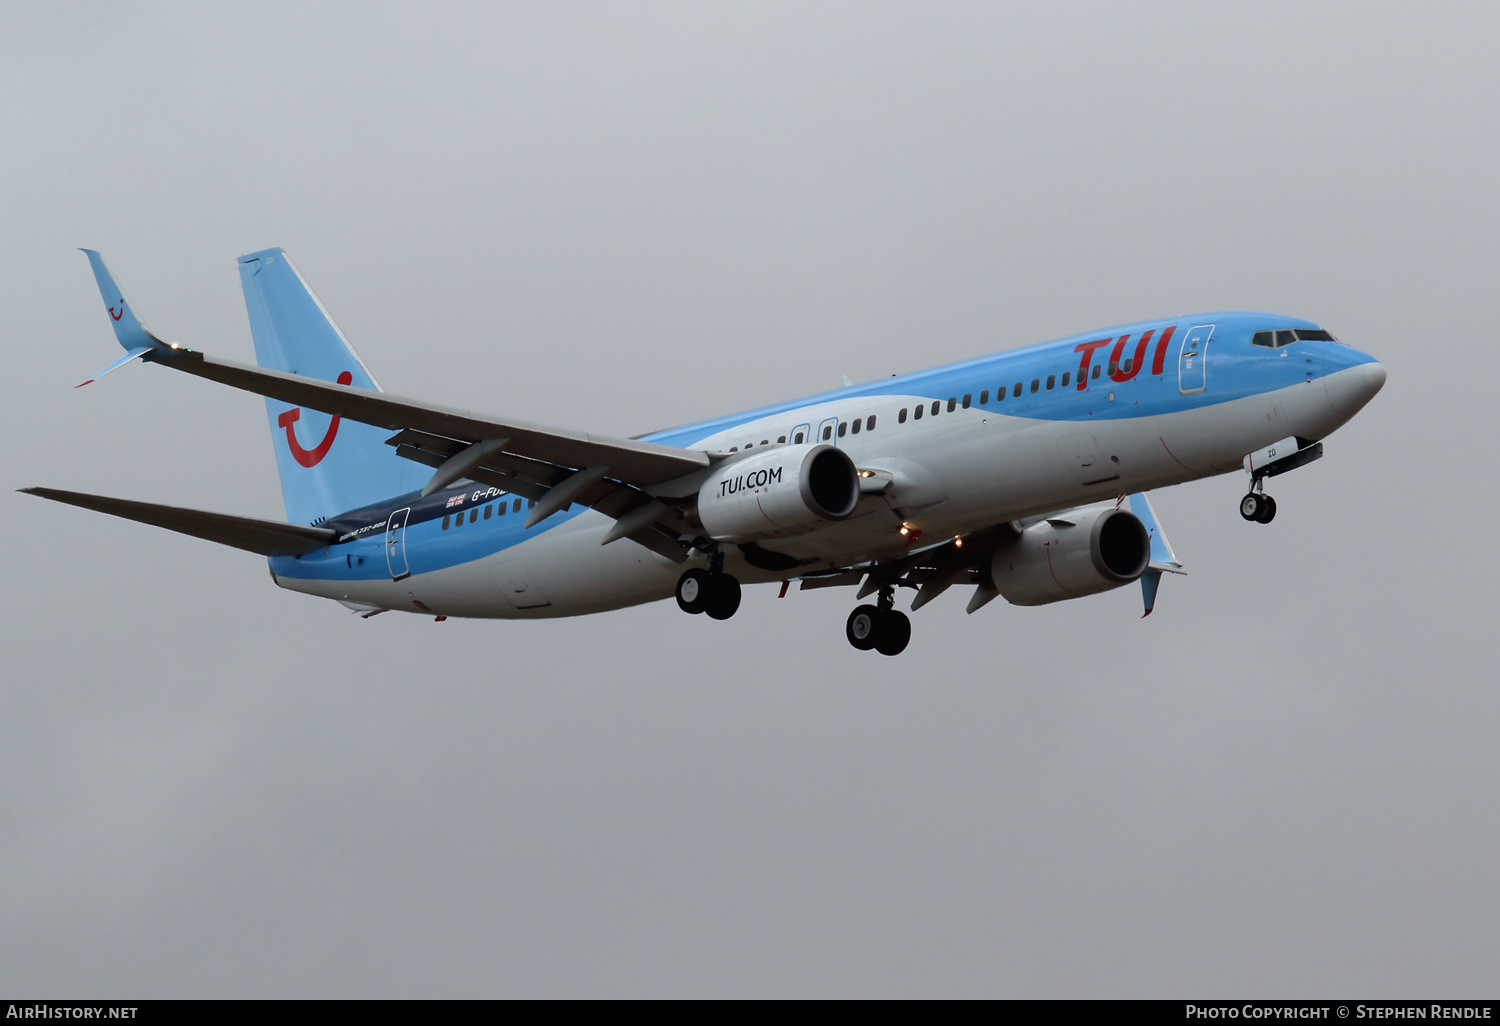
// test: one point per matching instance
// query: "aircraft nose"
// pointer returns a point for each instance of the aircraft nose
(1349, 389)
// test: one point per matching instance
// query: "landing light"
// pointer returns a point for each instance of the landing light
(958, 542)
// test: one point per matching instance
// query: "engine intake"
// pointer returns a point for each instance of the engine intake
(1079, 552)
(783, 491)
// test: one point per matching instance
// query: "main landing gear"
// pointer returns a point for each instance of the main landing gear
(881, 627)
(710, 591)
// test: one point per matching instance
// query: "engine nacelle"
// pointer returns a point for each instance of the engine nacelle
(783, 491)
(1075, 553)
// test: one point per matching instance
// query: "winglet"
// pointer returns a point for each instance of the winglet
(1163, 559)
(1149, 582)
(132, 354)
(129, 329)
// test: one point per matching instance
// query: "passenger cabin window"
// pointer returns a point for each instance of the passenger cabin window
(870, 422)
(1114, 368)
(1095, 375)
(936, 405)
(781, 439)
(515, 507)
(827, 432)
(967, 400)
(857, 425)
(1067, 375)
(901, 417)
(843, 428)
(797, 438)
(1124, 367)
(486, 512)
(917, 413)
(473, 515)
(999, 394)
(1051, 382)
(500, 510)
(1017, 393)
(952, 403)
(1036, 385)
(445, 521)
(984, 397)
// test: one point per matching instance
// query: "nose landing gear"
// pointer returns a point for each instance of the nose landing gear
(882, 627)
(1287, 454)
(710, 591)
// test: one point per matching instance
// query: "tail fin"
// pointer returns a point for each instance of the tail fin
(326, 465)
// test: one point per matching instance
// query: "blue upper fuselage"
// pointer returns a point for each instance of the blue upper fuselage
(1236, 369)
(1132, 370)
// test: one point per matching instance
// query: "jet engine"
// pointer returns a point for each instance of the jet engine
(1077, 552)
(783, 491)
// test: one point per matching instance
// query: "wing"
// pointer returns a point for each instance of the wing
(966, 560)
(620, 477)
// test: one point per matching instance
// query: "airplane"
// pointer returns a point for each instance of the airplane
(1021, 474)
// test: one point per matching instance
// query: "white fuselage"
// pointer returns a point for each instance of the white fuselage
(951, 474)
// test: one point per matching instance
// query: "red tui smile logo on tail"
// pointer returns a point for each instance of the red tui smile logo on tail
(310, 457)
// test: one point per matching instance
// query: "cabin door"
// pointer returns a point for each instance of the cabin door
(1192, 376)
(395, 544)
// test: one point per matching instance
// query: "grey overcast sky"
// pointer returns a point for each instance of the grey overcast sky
(623, 216)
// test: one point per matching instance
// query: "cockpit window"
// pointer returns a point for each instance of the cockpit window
(1277, 339)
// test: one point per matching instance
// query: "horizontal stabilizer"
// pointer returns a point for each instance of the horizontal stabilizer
(267, 537)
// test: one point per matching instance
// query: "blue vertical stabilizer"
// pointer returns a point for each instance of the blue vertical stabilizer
(327, 465)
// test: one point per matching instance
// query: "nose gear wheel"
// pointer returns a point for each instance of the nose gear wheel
(1258, 507)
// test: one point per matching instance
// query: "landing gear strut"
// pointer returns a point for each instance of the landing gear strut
(881, 627)
(710, 591)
